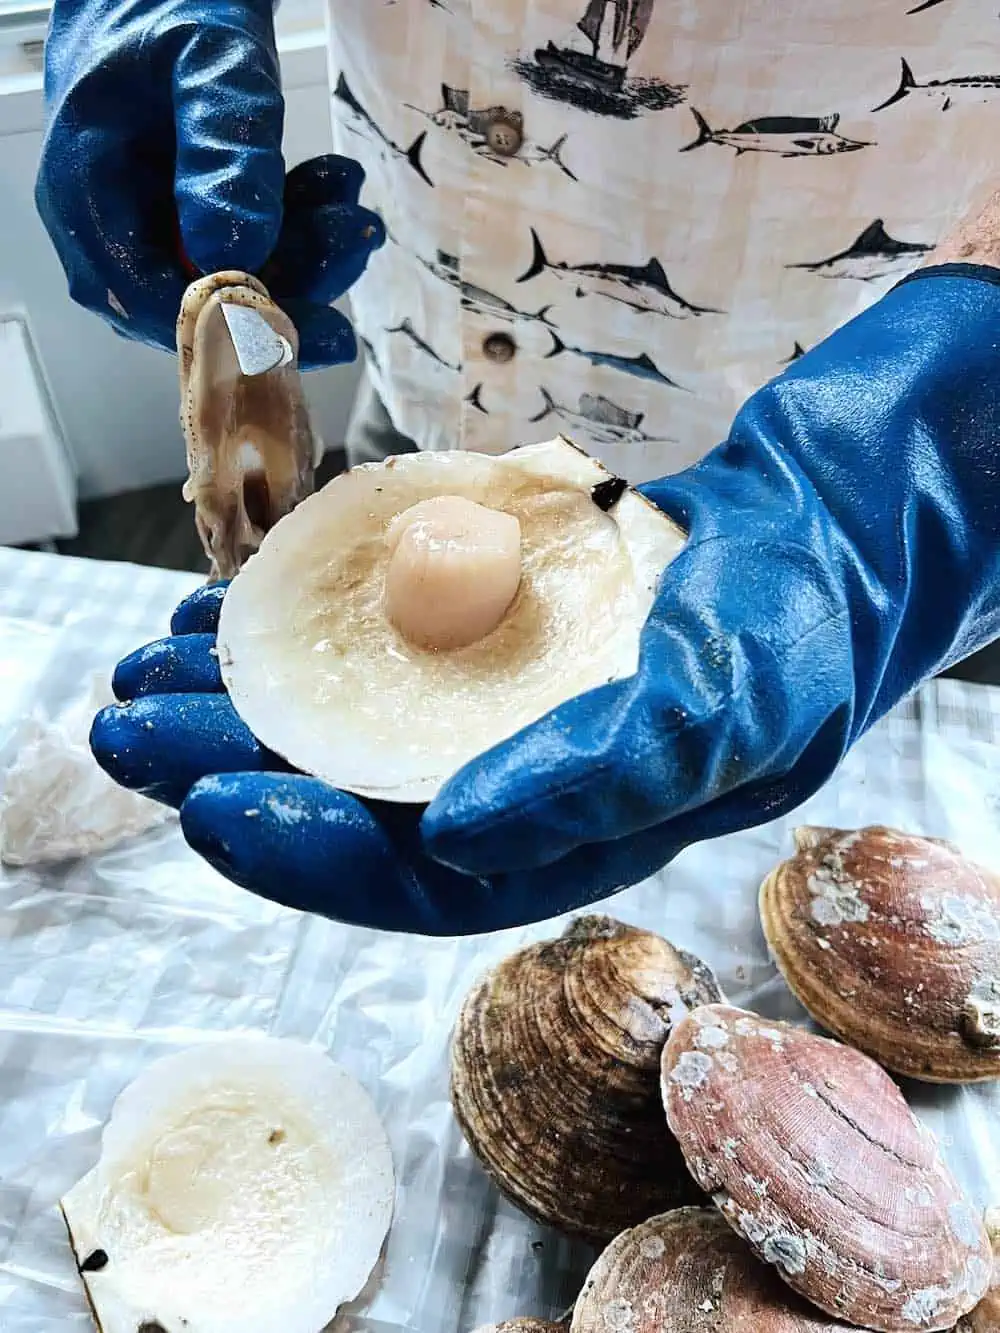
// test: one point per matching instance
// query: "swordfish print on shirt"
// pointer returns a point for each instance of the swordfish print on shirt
(408, 331)
(873, 255)
(642, 367)
(593, 75)
(472, 124)
(642, 287)
(367, 128)
(603, 420)
(478, 299)
(788, 136)
(964, 88)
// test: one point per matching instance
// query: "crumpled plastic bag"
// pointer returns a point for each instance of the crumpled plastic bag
(56, 803)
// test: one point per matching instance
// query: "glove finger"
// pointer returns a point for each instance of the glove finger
(162, 745)
(323, 251)
(719, 701)
(187, 664)
(325, 335)
(230, 173)
(199, 612)
(102, 200)
(297, 841)
(329, 179)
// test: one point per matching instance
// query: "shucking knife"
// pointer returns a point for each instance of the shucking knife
(258, 348)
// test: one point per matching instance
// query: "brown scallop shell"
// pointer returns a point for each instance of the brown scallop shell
(985, 1318)
(688, 1272)
(892, 943)
(814, 1158)
(555, 1075)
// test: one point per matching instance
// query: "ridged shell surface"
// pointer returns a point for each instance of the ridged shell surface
(555, 1075)
(892, 943)
(814, 1158)
(688, 1272)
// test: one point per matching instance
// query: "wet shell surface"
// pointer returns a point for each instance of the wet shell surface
(319, 671)
(250, 447)
(555, 1075)
(688, 1272)
(814, 1158)
(892, 942)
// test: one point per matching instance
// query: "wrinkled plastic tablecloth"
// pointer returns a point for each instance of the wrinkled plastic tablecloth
(107, 963)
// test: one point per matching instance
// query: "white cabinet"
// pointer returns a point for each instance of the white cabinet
(37, 477)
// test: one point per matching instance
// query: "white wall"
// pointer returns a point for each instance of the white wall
(117, 401)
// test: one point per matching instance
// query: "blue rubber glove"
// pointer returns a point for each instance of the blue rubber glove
(164, 141)
(843, 547)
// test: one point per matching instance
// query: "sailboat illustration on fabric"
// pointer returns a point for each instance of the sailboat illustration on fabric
(595, 78)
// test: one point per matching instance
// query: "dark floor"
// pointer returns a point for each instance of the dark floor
(156, 527)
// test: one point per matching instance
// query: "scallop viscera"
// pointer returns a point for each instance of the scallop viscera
(555, 1075)
(250, 446)
(814, 1158)
(688, 1272)
(413, 614)
(892, 943)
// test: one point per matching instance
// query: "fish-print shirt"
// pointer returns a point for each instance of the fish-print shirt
(615, 219)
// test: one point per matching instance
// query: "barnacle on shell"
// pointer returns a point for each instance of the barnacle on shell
(814, 1158)
(555, 1075)
(892, 942)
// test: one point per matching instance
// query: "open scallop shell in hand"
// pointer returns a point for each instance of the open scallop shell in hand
(243, 1186)
(814, 1158)
(688, 1272)
(322, 674)
(555, 1075)
(892, 943)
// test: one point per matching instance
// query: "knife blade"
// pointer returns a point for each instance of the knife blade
(258, 348)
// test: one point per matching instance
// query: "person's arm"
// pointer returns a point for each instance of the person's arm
(163, 141)
(843, 548)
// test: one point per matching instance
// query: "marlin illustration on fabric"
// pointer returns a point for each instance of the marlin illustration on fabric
(643, 287)
(406, 328)
(964, 88)
(478, 299)
(472, 125)
(797, 351)
(788, 136)
(643, 367)
(873, 255)
(603, 420)
(596, 79)
(474, 399)
(344, 94)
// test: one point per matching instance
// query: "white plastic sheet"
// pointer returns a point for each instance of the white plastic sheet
(109, 962)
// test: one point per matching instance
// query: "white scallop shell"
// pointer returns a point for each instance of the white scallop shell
(244, 1186)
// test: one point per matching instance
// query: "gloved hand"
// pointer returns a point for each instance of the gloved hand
(167, 116)
(843, 547)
